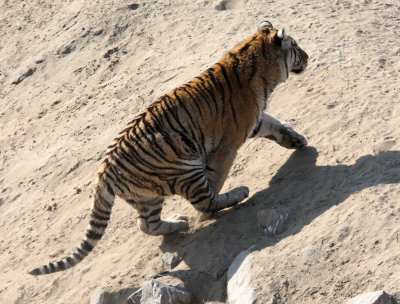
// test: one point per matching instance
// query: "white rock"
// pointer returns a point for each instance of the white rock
(171, 260)
(98, 296)
(239, 287)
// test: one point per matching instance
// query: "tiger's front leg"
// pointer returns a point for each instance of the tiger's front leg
(281, 132)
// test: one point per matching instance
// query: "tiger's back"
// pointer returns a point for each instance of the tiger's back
(186, 141)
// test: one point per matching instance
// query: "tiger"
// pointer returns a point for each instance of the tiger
(185, 142)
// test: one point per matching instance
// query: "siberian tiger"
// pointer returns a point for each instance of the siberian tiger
(186, 141)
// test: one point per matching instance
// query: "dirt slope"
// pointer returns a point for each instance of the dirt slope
(72, 74)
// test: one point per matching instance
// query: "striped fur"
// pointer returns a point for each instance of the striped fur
(186, 141)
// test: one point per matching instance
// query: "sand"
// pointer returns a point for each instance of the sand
(73, 74)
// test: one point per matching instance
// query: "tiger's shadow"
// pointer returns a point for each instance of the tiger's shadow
(300, 184)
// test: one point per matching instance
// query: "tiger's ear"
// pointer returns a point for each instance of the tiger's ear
(280, 36)
(265, 24)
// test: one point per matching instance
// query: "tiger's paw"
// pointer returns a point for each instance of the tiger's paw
(178, 222)
(291, 139)
(238, 194)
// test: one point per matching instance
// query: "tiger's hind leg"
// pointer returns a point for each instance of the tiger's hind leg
(149, 217)
(281, 132)
(200, 192)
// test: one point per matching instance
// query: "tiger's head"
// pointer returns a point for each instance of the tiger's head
(294, 58)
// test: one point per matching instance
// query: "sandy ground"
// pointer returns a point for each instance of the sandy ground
(73, 73)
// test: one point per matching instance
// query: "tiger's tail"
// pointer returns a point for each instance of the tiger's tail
(100, 215)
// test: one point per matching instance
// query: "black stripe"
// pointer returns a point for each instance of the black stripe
(199, 90)
(139, 159)
(195, 100)
(209, 91)
(182, 134)
(144, 136)
(199, 200)
(153, 127)
(71, 261)
(152, 213)
(128, 179)
(256, 129)
(235, 65)
(46, 269)
(194, 175)
(216, 85)
(158, 226)
(103, 201)
(103, 214)
(78, 256)
(85, 245)
(112, 178)
(182, 104)
(117, 177)
(193, 184)
(265, 92)
(95, 224)
(52, 267)
(185, 186)
(225, 74)
(253, 67)
(93, 235)
(209, 168)
(99, 217)
(98, 207)
(153, 221)
(134, 180)
(61, 265)
(264, 48)
(109, 188)
(244, 48)
(122, 166)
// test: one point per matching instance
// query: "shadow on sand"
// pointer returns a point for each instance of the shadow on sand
(308, 189)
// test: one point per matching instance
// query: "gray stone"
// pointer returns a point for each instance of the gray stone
(377, 297)
(171, 260)
(135, 297)
(396, 295)
(22, 73)
(273, 220)
(66, 49)
(101, 296)
(157, 292)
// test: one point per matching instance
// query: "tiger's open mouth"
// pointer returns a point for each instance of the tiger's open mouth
(299, 68)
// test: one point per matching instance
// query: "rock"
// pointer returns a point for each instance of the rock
(66, 49)
(135, 297)
(241, 287)
(171, 260)
(377, 297)
(273, 220)
(22, 74)
(396, 295)
(99, 296)
(156, 291)
(133, 6)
